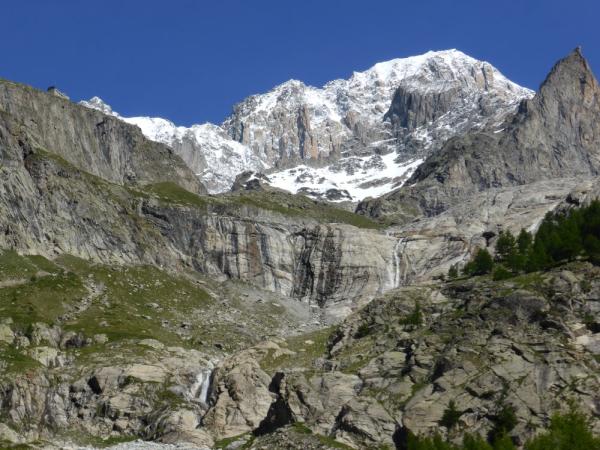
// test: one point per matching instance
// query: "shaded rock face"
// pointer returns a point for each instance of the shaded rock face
(90, 140)
(410, 110)
(250, 181)
(334, 266)
(334, 263)
(553, 135)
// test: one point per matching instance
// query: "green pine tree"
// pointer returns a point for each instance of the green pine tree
(570, 431)
(482, 263)
(524, 241)
(451, 416)
(506, 245)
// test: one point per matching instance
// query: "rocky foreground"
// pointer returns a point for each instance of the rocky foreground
(531, 343)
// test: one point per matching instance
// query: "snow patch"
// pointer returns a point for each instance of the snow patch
(361, 177)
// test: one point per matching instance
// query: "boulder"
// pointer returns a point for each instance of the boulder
(6, 334)
(239, 395)
(47, 356)
(363, 422)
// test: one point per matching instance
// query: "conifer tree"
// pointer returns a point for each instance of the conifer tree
(482, 263)
(506, 245)
(524, 241)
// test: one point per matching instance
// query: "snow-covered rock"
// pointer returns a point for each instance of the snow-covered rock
(359, 176)
(205, 148)
(361, 135)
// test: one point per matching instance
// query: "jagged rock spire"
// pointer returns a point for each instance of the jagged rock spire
(570, 79)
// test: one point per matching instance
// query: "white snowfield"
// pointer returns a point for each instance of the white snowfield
(270, 130)
(360, 177)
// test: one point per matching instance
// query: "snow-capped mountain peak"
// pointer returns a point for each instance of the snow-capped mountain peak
(408, 106)
(100, 105)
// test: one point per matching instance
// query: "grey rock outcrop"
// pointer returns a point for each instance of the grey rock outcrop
(427, 247)
(104, 401)
(240, 396)
(481, 344)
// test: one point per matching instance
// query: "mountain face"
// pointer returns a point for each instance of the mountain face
(352, 138)
(134, 305)
(207, 150)
(552, 135)
(87, 184)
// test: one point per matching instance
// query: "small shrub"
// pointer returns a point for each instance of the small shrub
(415, 317)
(501, 273)
(586, 286)
(451, 416)
(453, 272)
(363, 330)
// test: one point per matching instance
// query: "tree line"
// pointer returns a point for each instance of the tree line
(561, 237)
(568, 431)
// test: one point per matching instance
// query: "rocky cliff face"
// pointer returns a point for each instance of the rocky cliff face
(50, 207)
(553, 135)
(88, 139)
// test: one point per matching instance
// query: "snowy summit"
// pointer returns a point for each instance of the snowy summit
(358, 137)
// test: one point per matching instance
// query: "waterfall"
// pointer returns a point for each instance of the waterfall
(199, 390)
(203, 391)
(394, 267)
(397, 262)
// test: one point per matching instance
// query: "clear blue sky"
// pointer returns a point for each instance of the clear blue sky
(190, 61)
